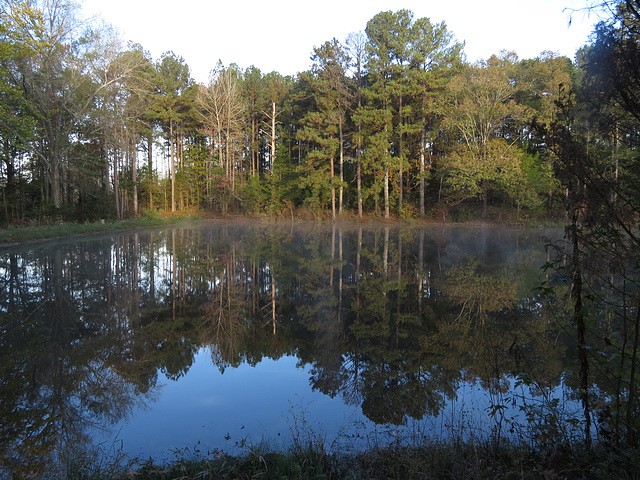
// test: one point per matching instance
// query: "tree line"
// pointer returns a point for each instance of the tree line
(391, 122)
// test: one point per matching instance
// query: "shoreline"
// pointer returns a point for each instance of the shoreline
(13, 236)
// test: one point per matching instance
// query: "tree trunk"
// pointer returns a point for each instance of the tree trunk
(341, 194)
(254, 154)
(579, 320)
(150, 159)
(423, 147)
(56, 190)
(387, 212)
(134, 172)
(116, 184)
(173, 168)
(273, 135)
(333, 190)
(359, 146)
(485, 198)
(54, 162)
(401, 167)
(359, 181)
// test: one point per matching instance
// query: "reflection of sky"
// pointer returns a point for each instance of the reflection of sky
(263, 404)
(245, 403)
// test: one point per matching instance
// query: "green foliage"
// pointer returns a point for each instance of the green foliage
(539, 183)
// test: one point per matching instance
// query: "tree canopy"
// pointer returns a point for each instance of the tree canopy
(392, 121)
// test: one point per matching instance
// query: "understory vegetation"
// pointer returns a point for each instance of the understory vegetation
(452, 460)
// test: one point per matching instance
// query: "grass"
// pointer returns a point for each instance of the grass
(453, 460)
(14, 235)
(37, 231)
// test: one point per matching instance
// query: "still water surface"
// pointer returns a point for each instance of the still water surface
(218, 336)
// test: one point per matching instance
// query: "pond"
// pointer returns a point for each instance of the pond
(223, 335)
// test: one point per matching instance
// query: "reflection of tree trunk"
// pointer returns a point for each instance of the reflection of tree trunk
(358, 302)
(385, 253)
(333, 254)
(117, 290)
(173, 273)
(631, 403)
(399, 261)
(340, 276)
(273, 301)
(229, 273)
(255, 286)
(399, 289)
(358, 254)
(58, 292)
(136, 276)
(15, 288)
(578, 317)
(420, 272)
(152, 276)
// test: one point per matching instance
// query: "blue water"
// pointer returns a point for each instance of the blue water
(243, 407)
(271, 405)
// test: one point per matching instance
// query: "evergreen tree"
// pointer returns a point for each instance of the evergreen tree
(324, 126)
(171, 84)
(436, 56)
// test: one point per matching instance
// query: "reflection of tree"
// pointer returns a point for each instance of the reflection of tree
(228, 305)
(56, 379)
(492, 321)
(248, 293)
(372, 311)
(318, 313)
(347, 305)
(75, 350)
(398, 380)
(479, 292)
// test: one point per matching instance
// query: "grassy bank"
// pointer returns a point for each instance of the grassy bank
(437, 461)
(32, 233)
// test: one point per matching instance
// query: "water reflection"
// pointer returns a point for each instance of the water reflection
(391, 320)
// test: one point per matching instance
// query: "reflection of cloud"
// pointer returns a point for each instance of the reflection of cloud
(212, 401)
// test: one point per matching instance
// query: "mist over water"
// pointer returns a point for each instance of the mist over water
(225, 334)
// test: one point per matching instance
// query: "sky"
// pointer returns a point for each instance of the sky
(280, 34)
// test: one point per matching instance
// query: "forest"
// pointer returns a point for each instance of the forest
(390, 122)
